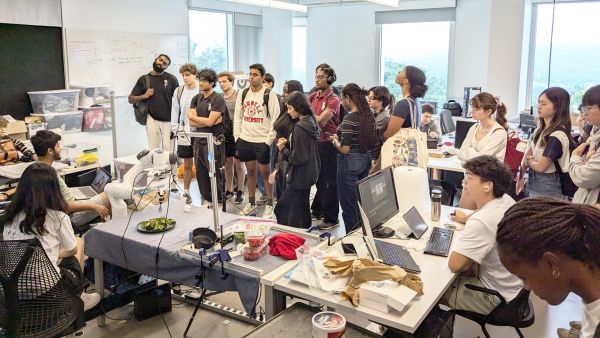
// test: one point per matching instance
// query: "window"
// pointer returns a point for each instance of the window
(575, 49)
(299, 55)
(209, 40)
(422, 44)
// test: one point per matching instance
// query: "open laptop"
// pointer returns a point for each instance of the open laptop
(97, 187)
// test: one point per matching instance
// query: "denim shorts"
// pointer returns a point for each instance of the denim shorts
(544, 184)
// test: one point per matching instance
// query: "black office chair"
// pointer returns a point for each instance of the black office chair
(518, 313)
(448, 191)
(34, 302)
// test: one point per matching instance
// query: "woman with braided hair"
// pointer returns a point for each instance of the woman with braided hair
(552, 245)
(356, 137)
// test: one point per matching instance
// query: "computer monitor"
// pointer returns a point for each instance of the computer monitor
(446, 122)
(462, 128)
(527, 123)
(377, 196)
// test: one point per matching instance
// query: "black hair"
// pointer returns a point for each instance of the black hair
(417, 79)
(427, 108)
(38, 191)
(368, 135)
(209, 75)
(44, 140)
(166, 56)
(490, 169)
(331, 77)
(382, 94)
(259, 67)
(591, 96)
(297, 100)
(294, 86)
(538, 225)
(561, 120)
(269, 78)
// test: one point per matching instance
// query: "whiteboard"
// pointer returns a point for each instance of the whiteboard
(119, 58)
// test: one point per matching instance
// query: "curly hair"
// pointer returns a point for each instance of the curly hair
(368, 135)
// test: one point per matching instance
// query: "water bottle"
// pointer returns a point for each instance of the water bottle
(436, 203)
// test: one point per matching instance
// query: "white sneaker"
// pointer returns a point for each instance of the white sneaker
(269, 212)
(89, 300)
(207, 205)
(249, 210)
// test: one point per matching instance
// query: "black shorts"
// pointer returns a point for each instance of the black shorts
(230, 149)
(185, 151)
(249, 151)
(70, 270)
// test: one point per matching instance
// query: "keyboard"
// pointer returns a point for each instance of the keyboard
(439, 242)
(396, 255)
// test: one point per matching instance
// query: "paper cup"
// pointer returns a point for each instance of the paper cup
(328, 325)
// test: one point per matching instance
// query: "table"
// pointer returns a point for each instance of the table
(435, 274)
(103, 243)
(451, 163)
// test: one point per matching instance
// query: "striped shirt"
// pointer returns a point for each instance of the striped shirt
(349, 132)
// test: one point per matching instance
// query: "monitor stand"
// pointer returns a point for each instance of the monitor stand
(383, 232)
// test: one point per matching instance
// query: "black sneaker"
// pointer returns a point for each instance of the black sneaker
(239, 197)
(327, 225)
(229, 194)
(316, 215)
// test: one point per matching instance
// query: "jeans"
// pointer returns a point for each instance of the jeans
(544, 184)
(351, 168)
(326, 201)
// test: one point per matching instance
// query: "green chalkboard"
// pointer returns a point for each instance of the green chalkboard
(31, 59)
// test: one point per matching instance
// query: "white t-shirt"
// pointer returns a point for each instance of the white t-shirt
(59, 234)
(182, 105)
(591, 318)
(478, 242)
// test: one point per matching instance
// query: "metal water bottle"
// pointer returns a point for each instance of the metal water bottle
(436, 203)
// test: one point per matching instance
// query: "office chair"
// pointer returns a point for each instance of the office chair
(448, 191)
(517, 314)
(34, 301)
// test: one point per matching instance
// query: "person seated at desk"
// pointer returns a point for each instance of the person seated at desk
(428, 125)
(556, 256)
(39, 211)
(47, 147)
(474, 254)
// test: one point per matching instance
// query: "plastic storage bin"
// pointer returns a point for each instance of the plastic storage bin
(67, 122)
(96, 118)
(54, 101)
(94, 94)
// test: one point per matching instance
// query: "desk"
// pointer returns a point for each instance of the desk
(451, 163)
(436, 279)
(103, 243)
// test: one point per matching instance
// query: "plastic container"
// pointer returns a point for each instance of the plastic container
(254, 238)
(33, 128)
(54, 101)
(328, 324)
(251, 253)
(96, 119)
(69, 122)
(87, 157)
(94, 94)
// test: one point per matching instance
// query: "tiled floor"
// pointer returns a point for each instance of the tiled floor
(208, 324)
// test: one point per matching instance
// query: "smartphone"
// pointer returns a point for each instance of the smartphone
(349, 248)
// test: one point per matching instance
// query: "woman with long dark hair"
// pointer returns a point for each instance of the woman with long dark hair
(412, 83)
(381, 103)
(301, 154)
(551, 144)
(38, 210)
(283, 127)
(552, 245)
(356, 137)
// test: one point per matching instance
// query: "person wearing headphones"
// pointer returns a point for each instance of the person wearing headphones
(326, 107)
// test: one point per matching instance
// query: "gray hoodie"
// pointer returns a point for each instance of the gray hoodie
(586, 175)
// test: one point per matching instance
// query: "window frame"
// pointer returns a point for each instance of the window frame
(229, 35)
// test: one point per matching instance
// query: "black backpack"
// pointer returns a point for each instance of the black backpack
(454, 107)
(265, 99)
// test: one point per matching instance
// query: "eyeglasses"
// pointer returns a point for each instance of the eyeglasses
(586, 109)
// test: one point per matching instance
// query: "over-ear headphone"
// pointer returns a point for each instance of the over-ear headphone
(331, 78)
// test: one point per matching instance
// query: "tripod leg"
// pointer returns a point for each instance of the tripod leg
(194, 314)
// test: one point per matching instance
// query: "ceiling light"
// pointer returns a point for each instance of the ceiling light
(276, 4)
(391, 3)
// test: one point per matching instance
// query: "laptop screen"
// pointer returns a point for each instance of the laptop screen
(101, 179)
(377, 196)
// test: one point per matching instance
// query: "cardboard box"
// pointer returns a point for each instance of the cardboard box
(16, 129)
(374, 295)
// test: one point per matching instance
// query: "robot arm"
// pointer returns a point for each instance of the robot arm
(157, 161)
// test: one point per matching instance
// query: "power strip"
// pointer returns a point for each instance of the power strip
(230, 312)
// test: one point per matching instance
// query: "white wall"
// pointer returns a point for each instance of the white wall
(277, 44)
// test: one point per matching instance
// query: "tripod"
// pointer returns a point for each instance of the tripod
(200, 277)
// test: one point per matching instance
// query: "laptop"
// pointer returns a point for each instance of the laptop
(86, 192)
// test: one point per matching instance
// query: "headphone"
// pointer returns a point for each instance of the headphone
(331, 78)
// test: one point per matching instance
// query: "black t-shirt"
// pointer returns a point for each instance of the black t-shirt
(204, 105)
(159, 104)
(402, 109)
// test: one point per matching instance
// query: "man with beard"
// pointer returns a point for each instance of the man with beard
(158, 95)
(46, 145)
